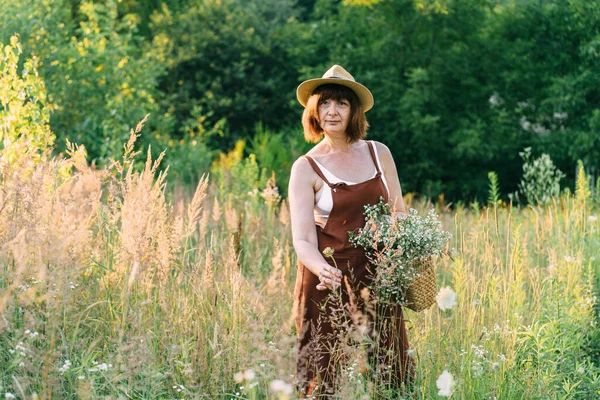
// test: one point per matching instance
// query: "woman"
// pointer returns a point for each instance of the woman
(329, 188)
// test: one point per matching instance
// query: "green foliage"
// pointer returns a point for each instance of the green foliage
(494, 192)
(229, 59)
(101, 77)
(188, 160)
(460, 86)
(277, 151)
(238, 178)
(24, 107)
(541, 179)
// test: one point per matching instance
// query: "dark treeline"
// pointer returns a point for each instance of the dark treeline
(460, 86)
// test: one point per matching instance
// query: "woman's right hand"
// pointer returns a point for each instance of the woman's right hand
(330, 278)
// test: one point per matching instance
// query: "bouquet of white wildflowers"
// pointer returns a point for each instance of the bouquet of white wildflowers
(398, 247)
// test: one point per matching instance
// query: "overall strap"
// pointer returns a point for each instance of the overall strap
(375, 161)
(316, 168)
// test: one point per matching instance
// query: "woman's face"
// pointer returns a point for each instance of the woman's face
(334, 115)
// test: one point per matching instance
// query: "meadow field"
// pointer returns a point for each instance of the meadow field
(157, 263)
(115, 285)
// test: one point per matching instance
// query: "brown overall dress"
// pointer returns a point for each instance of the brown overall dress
(318, 317)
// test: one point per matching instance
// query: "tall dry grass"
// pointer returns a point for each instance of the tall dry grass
(108, 289)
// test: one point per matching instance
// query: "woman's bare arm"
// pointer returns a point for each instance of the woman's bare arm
(391, 176)
(304, 234)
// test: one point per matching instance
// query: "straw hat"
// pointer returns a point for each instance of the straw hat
(339, 76)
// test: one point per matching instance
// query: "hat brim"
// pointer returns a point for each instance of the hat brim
(306, 89)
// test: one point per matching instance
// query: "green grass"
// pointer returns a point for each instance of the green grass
(149, 299)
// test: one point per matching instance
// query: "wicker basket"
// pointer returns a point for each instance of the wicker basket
(420, 295)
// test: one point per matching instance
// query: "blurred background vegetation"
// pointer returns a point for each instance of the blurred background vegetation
(461, 86)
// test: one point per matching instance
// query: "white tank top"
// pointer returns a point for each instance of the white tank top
(323, 199)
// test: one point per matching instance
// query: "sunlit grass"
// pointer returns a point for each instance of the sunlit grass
(108, 289)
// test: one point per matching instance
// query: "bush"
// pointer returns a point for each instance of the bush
(541, 179)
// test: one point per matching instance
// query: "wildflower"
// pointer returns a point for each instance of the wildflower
(66, 366)
(446, 298)
(445, 384)
(410, 352)
(328, 252)
(477, 369)
(238, 377)
(592, 218)
(560, 115)
(569, 259)
(279, 386)
(398, 246)
(271, 193)
(495, 100)
(540, 129)
(479, 351)
(249, 375)
(9, 395)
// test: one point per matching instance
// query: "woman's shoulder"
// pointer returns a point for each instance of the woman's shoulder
(302, 166)
(382, 149)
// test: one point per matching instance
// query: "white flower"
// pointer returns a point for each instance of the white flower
(279, 386)
(479, 351)
(249, 375)
(410, 352)
(477, 369)
(65, 367)
(560, 115)
(446, 298)
(540, 129)
(569, 259)
(495, 100)
(445, 384)
(238, 377)
(592, 218)
(8, 395)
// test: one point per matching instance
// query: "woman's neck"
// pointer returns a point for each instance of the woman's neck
(339, 142)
